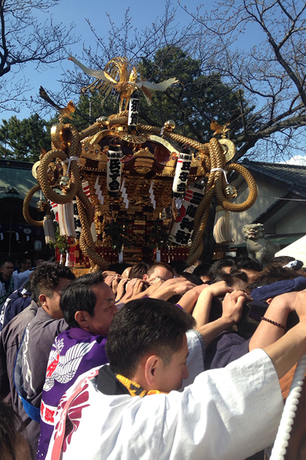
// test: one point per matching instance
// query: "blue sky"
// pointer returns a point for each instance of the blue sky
(143, 14)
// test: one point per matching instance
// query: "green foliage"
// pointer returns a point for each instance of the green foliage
(193, 102)
(25, 139)
(60, 243)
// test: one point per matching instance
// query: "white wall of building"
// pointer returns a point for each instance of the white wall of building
(290, 219)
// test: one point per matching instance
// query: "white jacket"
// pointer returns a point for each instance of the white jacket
(226, 414)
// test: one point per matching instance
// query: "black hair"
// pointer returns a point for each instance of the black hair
(192, 277)
(138, 270)
(79, 296)
(281, 260)
(230, 278)
(6, 259)
(145, 326)
(217, 267)
(178, 266)
(202, 269)
(248, 264)
(46, 277)
(273, 273)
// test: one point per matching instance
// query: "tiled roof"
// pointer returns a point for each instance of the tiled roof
(290, 176)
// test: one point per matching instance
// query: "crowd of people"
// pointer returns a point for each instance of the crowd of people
(148, 361)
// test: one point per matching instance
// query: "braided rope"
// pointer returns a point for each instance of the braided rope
(201, 218)
(42, 178)
(26, 208)
(175, 137)
(252, 196)
(213, 186)
(70, 137)
(118, 121)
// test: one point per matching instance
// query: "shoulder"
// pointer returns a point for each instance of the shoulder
(23, 318)
(196, 354)
(75, 336)
(43, 321)
(12, 333)
(21, 278)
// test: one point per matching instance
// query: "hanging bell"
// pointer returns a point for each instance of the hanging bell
(230, 191)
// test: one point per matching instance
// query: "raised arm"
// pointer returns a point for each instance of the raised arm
(292, 346)
(272, 327)
(232, 309)
(202, 308)
(189, 299)
(171, 287)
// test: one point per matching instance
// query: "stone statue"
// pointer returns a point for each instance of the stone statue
(258, 246)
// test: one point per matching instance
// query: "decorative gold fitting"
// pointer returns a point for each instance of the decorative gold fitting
(64, 181)
(230, 191)
(41, 205)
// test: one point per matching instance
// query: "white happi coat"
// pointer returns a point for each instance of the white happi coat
(226, 414)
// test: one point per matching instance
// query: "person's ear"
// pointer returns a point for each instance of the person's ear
(269, 300)
(145, 277)
(152, 366)
(81, 318)
(43, 301)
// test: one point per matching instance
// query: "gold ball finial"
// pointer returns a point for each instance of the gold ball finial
(169, 125)
(230, 191)
(57, 136)
(41, 205)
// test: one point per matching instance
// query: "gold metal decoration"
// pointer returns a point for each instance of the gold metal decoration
(230, 191)
(129, 199)
(116, 75)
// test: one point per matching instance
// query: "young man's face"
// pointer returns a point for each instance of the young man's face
(7, 270)
(171, 375)
(52, 305)
(26, 265)
(104, 311)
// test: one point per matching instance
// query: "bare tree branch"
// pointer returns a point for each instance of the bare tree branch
(24, 40)
(271, 70)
